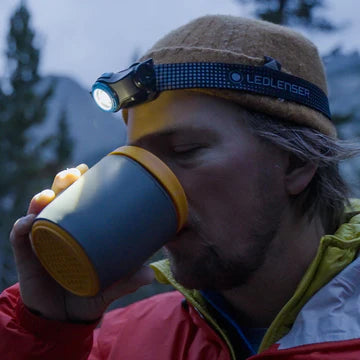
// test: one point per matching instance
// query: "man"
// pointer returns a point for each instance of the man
(266, 256)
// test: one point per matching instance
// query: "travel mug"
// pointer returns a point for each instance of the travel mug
(110, 221)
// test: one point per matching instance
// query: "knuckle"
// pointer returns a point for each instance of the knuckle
(15, 229)
(22, 226)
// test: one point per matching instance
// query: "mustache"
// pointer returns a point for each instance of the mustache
(193, 221)
(194, 224)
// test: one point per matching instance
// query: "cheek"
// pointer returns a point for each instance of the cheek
(221, 188)
(232, 187)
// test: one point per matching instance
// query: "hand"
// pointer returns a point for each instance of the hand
(39, 291)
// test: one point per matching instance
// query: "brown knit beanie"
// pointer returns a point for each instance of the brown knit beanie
(236, 40)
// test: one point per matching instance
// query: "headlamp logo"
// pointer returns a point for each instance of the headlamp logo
(270, 82)
(236, 77)
(252, 79)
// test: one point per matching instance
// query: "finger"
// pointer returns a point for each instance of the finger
(40, 200)
(64, 179)
(144, 276)
(27, 264)
(19, 237)
(22, 226)
(83, 168)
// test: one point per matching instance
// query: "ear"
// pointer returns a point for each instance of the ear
(298, 175)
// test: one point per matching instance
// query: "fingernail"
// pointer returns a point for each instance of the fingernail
(82, 168)
(36, 197)
(47, 193)
(44, 193)
(73, 171)
(62, 174)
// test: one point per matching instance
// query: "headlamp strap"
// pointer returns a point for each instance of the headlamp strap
(263, 80)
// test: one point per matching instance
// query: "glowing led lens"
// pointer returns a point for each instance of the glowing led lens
(103, 99)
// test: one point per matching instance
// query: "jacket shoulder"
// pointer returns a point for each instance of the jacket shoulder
(162, 326)
(155, 308)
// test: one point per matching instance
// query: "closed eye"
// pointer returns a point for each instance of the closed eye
(186, 148)
(187, 153)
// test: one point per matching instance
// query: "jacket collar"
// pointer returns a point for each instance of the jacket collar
(335, 252)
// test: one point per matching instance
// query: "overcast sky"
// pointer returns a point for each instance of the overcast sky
(84, 38)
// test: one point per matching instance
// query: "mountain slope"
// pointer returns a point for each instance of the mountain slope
(94, 132)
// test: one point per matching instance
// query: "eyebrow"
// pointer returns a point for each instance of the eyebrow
(174, 130)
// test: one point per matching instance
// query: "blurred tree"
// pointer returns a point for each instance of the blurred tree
(63, 141)
(341, 119)
(292, 12)
(26, 167)
(298, 13)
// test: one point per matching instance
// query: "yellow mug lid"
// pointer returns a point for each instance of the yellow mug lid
(64, 258)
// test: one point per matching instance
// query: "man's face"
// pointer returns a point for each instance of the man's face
(233, 182)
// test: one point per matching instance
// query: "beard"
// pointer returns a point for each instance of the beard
(211, 267)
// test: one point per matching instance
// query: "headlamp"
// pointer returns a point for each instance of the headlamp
(115, 91)
(143, 82)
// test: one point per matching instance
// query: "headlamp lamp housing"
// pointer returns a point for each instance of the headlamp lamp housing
(126, 88)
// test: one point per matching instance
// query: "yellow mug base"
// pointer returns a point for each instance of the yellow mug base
(64, 258)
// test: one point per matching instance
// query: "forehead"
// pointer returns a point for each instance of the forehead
(179, 109)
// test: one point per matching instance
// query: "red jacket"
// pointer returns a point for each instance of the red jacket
(320, 322)
(157, 328)
(161, 327)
